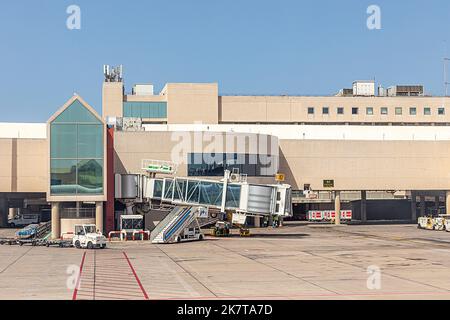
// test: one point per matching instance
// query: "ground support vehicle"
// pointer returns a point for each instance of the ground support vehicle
(221, 229)
(88, 237)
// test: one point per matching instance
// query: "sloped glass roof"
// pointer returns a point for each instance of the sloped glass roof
(76, 113)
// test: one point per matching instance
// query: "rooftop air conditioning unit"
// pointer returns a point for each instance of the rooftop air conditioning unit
(234, 177)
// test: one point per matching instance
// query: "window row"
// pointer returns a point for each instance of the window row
(427, 111)
(145, 110)
(214, 165)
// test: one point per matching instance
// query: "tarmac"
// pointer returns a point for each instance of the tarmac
(299, 261)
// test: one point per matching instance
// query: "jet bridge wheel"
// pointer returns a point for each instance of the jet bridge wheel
(178, 239)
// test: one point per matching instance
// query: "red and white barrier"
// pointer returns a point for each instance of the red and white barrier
(122, 235)
(142, 233)
(329, 215)
(316, 215)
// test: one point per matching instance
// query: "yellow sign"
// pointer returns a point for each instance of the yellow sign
(280, 177)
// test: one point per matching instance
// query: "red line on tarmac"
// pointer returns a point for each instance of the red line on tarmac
(136, 277)
(75, 291)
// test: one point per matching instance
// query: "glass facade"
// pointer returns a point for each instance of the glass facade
(145, 110)
(198, 192)
(76, 152)
(214, 165)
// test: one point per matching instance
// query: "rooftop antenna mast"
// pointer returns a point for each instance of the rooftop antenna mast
(113, 74)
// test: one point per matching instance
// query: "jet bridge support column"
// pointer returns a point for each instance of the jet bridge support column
(437, 203)
(363, 206)
(4, 211)
(337, 207)
(422, 206)
(447, 202)
(413, 206)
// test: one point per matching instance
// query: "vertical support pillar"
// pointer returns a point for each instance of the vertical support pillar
(12, 213)
(447, 202)
(77, 206)
(257, 222)
(56, 221)
(437, 203)
(337, 207)
(422, 206)
(363, 206)
(413, 206)
(3, 212)
(99, 216)
(110, 181)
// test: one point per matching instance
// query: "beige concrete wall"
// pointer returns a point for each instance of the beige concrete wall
(68, 225)
(136, 98)
(255, 109)
(112, 99)
(133, 147)
(354, 165)
(192, 103)
(367, 165)
(200, 103)
(23, 165)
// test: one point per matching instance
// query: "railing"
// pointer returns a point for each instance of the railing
(80, 213)
(159, 228)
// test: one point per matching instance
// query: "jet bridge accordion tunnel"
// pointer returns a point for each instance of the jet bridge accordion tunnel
(241, 197)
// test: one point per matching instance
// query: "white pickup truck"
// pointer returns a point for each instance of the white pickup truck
(87, 236)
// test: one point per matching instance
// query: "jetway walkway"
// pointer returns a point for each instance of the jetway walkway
(229, 194)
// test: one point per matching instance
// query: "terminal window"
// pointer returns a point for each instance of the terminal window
(369, 111)
(76, 152)
(340, 110)
(441, 111)
(310, 110)
(384, 111)
(214, 165)
(413, 111)
(355, 111)
(427, 111)
(325, 110)
(145, 110)
(398, 111)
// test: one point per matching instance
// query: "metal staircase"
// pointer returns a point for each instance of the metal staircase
(174, 224)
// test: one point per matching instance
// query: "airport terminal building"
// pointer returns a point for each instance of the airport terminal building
(384, 155)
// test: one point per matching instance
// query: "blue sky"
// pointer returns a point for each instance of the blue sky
(247, 46)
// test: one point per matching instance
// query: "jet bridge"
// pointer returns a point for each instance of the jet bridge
(229, 194)
(189, 202)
